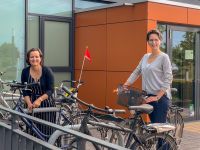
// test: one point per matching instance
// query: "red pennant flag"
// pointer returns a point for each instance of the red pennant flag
(87, 54)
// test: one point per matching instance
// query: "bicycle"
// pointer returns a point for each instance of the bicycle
(80, 117)
(135, 97)
(4, 97)
(20, 108)
(134, 140)
(174, 117)
(29, 124)
(74, 89)
(64, 101)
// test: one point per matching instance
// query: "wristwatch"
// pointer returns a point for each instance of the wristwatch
(157, 97)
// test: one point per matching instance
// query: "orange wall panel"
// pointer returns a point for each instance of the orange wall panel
(127, 13)
(95, 38)
(126, 45)
(194, 16)
(93, 91)
(167, 13)
(90, 18)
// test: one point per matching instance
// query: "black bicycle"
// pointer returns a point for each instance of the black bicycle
(153, 136)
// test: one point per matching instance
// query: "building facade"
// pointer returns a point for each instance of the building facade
(116, 36)
(115, 33)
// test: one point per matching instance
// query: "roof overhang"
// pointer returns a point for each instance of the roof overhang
(132, 2)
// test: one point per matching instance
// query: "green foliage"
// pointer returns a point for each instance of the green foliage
(179, 54)
(9, 55)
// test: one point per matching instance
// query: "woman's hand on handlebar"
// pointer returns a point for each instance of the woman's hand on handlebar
(30, 107)
(37, 103)
(120, 88)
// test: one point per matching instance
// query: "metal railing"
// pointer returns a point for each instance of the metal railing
(11, 138)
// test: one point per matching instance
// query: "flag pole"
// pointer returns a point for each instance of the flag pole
(79, 80)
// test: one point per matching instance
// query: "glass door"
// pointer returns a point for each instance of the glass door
(182, 51)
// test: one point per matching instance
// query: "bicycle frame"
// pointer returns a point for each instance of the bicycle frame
(29, 123)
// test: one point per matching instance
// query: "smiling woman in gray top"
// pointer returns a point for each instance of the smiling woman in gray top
(156, 75)
(156, 71)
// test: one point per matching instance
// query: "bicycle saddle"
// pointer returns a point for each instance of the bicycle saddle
(144, 108)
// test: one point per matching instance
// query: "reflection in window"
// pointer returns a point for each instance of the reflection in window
(183, 57)
(60, 76)
(56, 30)
(183, 54)
(12, 38)
(51, 7)
(33, 31)
(163, 31)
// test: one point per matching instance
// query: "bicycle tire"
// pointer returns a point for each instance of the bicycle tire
(72, 140)
(178, 122)
(66, 113)
(58, 135)
(150, 142)
(78, 143)
(112, 136)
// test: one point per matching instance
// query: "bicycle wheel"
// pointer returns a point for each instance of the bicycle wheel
(68, 141)
(97, 131)
(59, 138)
(177, 120)
(112, 136)
(63, 116)
(156, 141)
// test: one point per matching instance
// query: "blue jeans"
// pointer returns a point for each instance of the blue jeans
(159, 114)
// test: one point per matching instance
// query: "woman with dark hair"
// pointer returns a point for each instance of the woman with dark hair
(41, 94)
(156, 71)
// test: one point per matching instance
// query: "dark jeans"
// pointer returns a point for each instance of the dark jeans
(159, 114)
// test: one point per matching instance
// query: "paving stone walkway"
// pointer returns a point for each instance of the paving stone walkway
(191, 136)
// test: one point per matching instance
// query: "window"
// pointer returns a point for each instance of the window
(51, 7)
(163, 30)
(12, 33)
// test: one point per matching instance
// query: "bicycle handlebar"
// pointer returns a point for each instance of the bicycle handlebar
(174, 89)
(22, 86)
(176, 108)
(72, 81)
(64, 99)
(109, 111)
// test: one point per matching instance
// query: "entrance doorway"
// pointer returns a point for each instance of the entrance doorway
(183, 49)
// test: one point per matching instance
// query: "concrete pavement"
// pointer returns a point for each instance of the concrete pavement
(191, 136)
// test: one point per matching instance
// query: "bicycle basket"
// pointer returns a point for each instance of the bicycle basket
(130, 96)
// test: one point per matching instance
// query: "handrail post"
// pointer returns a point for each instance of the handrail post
(14, 136)
(14, 124)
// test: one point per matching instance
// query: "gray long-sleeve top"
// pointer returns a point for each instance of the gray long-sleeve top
(156, 76)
